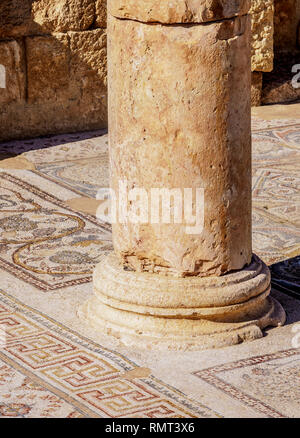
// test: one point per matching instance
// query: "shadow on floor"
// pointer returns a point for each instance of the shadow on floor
(286, 276)
(285, 280)
(17, 147)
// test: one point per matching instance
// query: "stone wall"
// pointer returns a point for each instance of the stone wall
(54, 54)
(286, 22)
(298, 26)
(277, 85)
(262, 12)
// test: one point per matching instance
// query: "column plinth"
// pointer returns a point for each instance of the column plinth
(153, 311)
(179, 118)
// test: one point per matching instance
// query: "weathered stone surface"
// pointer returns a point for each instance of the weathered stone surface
(89, 73)
(256, 88)
(67, 67)
(16, 19)
(63, 15)
(180, 11)
(179, 116)
(12, 73)
(285, 24)
(48, 59)
(66, 86)
(101, 13)
(150, 311)
(35, 17)
(262, 12)
(298, 21)
(25, 120)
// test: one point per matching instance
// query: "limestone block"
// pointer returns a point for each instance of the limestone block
(262, 12)
(12, 73)
(179, 116)
(63, 15)
(16, 19)
(35, 17)
(101, 14)
(66, 85)
(89, 56)
(89, 72)
(48, 68)
(285, 23)
(28, 120)
(256, 88)
(180, 11)
(67, 70)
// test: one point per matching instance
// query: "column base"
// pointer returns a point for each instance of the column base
(156, 312)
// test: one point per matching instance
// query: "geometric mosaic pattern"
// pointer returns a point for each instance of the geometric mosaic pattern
(276, 180)
(276, 197)
(276, 200)
(43, 241)
(275, 171)
(262, 383)
(23, 397)
(48, 369)
(85, 379)
(89, 176)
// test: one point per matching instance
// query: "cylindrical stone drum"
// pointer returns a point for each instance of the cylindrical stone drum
(180, 151)
(179, 118)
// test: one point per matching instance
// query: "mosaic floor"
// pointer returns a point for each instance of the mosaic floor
(53, 365)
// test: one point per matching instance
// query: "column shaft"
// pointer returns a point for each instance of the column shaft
(179, 117)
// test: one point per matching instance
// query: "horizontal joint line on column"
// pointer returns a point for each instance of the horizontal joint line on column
(201, 23)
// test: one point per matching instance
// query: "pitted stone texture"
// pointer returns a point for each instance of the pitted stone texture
(149, 311)
(16, 19)
(66, 85)
(256, 88)
(37, 17)
(63, 15)
(13, 74)
(164, 295)
(88, 74)
(179, 109)
(262, 12)
(48, 68)
(101, 13)
(286, 20)
(180, 11)
(67, 66)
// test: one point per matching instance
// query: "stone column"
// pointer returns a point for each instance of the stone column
(179, 119)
